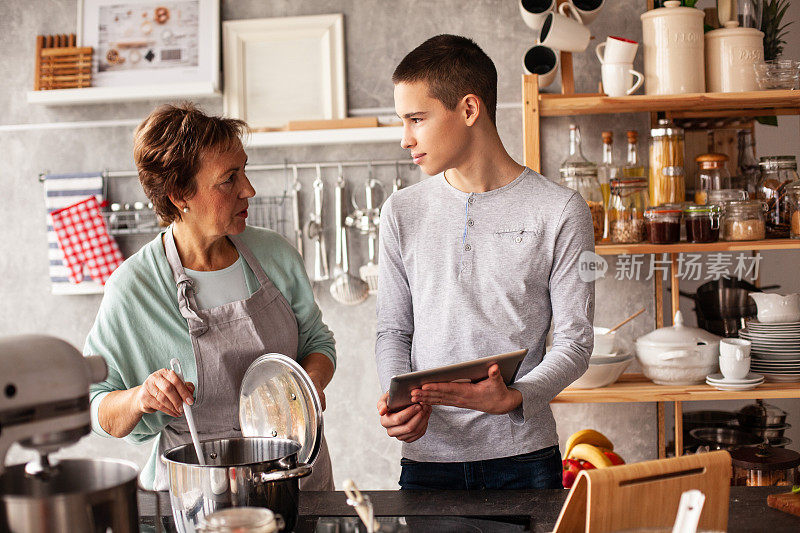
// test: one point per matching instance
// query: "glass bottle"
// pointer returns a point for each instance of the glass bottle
(575, 155)
(667, 176)
(712, 174)
(776, 173)
(749, 172)
(607, 171)
(633, 167)
(626, 208)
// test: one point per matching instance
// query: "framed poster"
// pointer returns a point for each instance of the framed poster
(282, 69)
(151, 42)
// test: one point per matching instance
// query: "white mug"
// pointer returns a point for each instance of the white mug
(543, 61)
(534, 12)
(736, 348)
(734, 368)
(561, 32)
(588, 9)
(616, 50)
(618, 79)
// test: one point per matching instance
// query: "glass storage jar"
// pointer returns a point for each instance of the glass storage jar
(712, 174)
(721, 196)
(793, 192)
(667, 176)
(626, 207)
(582, 177)
(702, 223)
(242, 520)
(776, 173)
(764, 466)
(743, 220)
(663, 224)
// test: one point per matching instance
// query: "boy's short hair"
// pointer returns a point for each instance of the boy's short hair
(453, 67)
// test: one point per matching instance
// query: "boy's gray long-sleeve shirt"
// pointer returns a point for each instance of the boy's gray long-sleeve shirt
(467, 275)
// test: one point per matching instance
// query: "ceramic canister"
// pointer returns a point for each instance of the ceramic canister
(674, 61)
(731, 53)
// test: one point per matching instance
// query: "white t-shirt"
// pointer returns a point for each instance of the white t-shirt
(218, 287)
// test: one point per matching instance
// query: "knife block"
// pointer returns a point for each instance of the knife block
(647, 494)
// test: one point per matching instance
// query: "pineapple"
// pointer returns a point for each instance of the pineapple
(773, 13)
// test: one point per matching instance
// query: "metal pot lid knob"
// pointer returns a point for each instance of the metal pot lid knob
(278, 399)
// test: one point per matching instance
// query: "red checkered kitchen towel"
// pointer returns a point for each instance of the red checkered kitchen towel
(84, 239)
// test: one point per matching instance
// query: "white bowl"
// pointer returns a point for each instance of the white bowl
(603, 370)
(603, 341)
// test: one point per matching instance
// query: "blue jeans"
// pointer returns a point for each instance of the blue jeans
(536, 470)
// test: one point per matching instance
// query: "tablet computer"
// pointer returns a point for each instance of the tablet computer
(472, 371)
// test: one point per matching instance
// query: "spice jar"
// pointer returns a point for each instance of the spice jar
(242, 520)
(793, 192)
(764, 466)
(667, 184)
(582, 177)
(626, 207)
(776, 173)
(712, 174)
(702, 223)
(663, 225)
(743, 220)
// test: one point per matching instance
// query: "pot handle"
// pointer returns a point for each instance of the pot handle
(674, 354)
(302, 470)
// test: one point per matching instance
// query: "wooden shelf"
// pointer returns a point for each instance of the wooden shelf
(100, 95)
(637, 388)
(607, 248)
(780, 101)
(328, 136)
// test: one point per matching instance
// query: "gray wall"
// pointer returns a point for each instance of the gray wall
(359, 447)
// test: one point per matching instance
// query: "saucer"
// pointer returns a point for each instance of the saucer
(733, 387)
(749, 379)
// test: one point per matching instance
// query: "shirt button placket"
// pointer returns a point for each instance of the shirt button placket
(466, 253)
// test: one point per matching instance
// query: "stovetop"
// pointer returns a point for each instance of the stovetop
(391, 524)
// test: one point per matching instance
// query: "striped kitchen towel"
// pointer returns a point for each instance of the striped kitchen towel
(64, 190)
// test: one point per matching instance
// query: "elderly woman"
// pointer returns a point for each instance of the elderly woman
(208, 290)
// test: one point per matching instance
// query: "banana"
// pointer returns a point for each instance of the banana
(588, 436)
(590, 453)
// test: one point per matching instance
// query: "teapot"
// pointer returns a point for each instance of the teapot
(774, 308)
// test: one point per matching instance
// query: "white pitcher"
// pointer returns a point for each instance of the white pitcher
(776, 307)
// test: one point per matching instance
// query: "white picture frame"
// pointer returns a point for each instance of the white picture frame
(282, 69)
(159, 42)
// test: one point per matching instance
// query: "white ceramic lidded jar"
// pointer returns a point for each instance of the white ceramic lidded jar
(674, 61)
(731, 53)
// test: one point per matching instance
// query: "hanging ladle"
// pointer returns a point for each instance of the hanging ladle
(345, 289)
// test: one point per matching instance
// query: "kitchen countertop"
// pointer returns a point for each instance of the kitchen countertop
(748, 508)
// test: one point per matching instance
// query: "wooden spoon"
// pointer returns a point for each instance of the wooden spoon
(637, 313)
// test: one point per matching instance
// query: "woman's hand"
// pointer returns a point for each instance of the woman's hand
(163, 391)
(320, 369)
(407, 425)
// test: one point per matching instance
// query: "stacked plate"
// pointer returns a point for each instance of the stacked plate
(750, 381)
(775, 349)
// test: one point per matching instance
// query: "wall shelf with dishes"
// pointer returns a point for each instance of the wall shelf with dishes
(745, 104)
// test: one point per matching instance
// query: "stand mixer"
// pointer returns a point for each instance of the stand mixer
(44, 406)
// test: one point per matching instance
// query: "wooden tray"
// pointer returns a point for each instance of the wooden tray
(60, 64)
(647, 494)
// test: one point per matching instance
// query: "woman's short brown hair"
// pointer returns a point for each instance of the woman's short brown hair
(168, 148)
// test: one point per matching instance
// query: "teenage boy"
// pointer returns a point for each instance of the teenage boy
(476, 261)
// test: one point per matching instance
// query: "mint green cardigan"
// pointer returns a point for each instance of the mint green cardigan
(139, 328)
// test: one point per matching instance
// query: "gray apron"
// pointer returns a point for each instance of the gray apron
(226, 339)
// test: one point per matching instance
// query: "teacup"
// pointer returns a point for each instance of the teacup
(543, 61)
(534, 12)
(616, 50)
(733, 367)
(618, 79)
(564, 33)
(736, 348)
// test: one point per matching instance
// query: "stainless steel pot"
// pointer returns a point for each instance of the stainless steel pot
(770, 432)
(761, 414)
(724, 438)
(71, 495)
(244, 471)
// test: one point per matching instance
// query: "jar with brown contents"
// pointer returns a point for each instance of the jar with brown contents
(793, 192)
(663, 225)
(702, 223)
(582, 177)
(744, 221)
(626, 207)
(777, 172)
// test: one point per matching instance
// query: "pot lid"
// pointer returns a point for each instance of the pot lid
(764, 458)
(678, 335)
(672, 7)
(278, 399)
(761, 409)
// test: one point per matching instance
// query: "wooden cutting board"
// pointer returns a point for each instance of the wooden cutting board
(786, 502)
